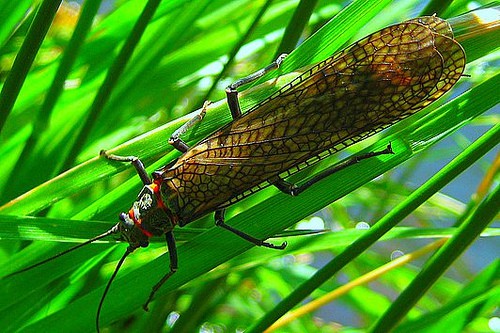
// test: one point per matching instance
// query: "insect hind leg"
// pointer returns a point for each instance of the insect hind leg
(219, 221)
(294, 190)
(232, 101)
(232, 89)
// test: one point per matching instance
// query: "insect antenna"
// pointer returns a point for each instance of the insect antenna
(129, 250)
(111, 231)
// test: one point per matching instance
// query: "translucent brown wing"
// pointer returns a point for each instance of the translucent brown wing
(365, 88)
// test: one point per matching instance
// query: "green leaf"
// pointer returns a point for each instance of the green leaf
(170, 71)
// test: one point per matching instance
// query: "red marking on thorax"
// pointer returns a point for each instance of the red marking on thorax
(138, 224)
(156, 189)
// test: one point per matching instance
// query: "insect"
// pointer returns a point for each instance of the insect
(372, 84)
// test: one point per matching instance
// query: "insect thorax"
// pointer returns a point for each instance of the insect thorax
(148, 213)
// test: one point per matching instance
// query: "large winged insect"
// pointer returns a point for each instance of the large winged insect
(372, 84)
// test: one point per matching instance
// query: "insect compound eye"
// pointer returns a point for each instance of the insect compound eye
(127, 221)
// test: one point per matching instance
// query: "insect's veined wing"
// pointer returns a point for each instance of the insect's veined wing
(365, 88)
(450, 50)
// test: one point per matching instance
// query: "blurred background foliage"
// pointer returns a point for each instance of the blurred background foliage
(80, 77)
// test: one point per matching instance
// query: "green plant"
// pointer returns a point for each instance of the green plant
(119, 85)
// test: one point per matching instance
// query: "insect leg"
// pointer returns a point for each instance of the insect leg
(136, 162)
(219, 221)
(232, 92)
(172, 251)
(232, 101)
(295, 190)
(175, 139)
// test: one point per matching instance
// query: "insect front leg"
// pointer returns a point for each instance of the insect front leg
(136, 162)
(232, 92)
(219, 221)
(172, 252)
(295, 190)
